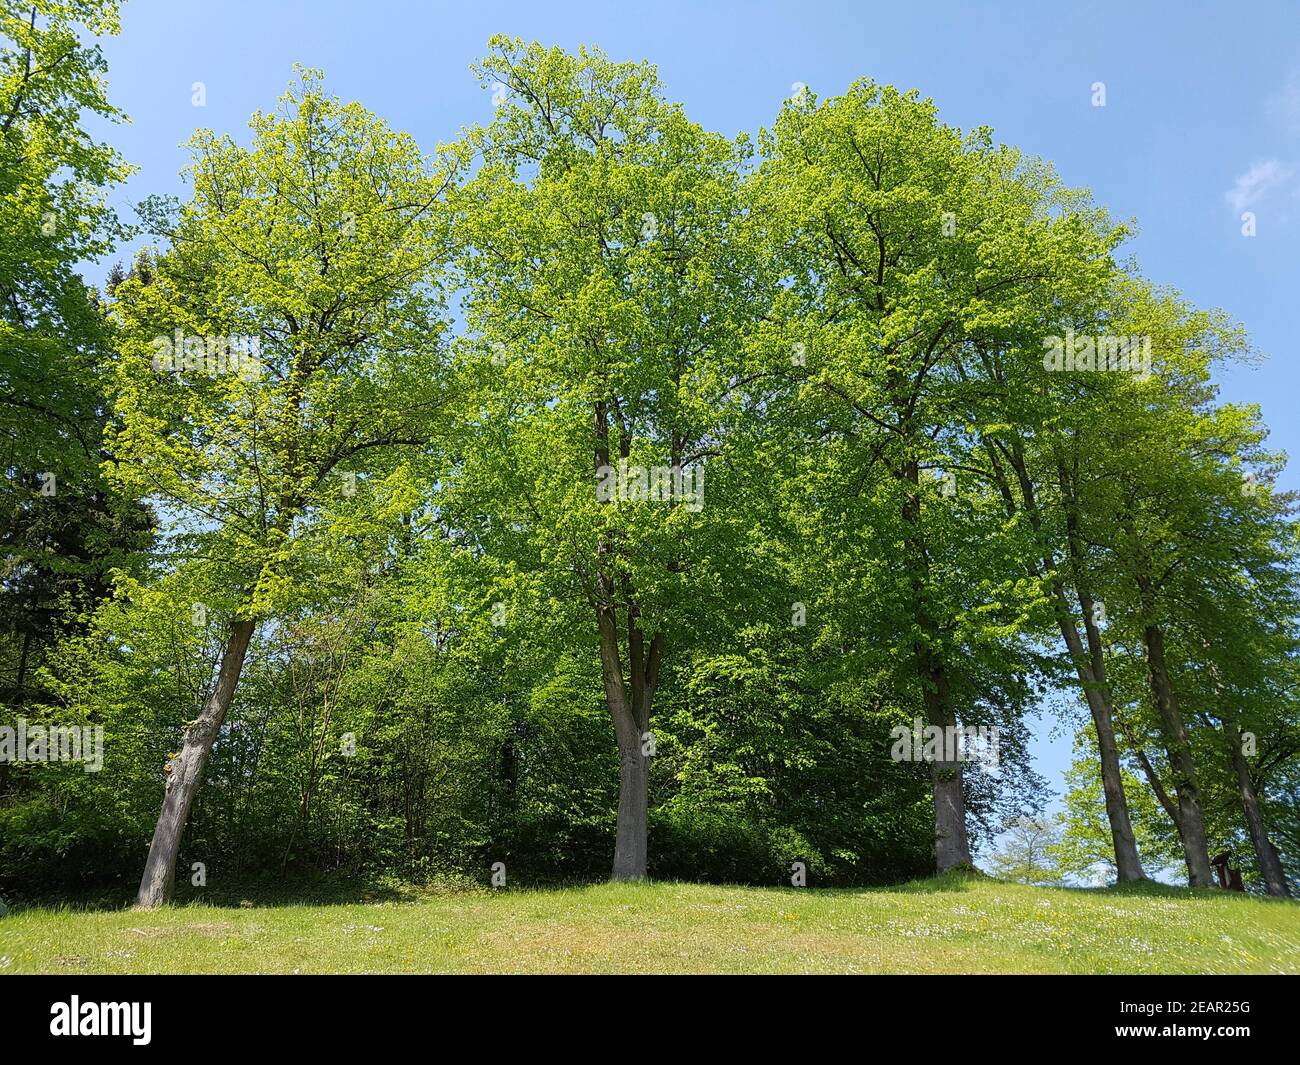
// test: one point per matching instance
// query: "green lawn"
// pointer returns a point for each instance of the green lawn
(950, 924)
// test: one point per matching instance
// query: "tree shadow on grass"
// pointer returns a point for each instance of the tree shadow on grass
(1155, 889)
(953, 882)
(255, 893)
(273, 891)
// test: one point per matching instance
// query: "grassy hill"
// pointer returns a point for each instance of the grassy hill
(943, 925)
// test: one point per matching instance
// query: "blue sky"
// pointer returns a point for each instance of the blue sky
(1202, 115)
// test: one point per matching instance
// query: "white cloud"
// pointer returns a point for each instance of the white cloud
(1257, 182)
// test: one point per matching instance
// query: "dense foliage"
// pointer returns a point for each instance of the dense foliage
(385, 483)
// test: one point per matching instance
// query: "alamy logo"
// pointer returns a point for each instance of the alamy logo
(54, 743)
(209, 354)
(955, 743)
(651, 483)
(103, 1018)
(1130, 354)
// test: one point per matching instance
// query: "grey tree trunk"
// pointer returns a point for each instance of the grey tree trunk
(1091, 667)
(629, 699)
(951, 844)
(1270, 865)
(1153, 778)
(1092, 674)
(186, 773)
(630, 847)
(1191, 820)
(629, 709)
(1128, 865)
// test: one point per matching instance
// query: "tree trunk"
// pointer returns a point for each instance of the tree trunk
(187, 773)
(633, 807)
(1270, 865)
(1090, 668)
(630, 712)
(1128, 865)
(951, 844)
(1153, 778)
(1191, 821)
(1092, 674)
(20, 683)
(629, 700)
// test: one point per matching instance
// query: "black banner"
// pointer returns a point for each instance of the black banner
(205, 1014)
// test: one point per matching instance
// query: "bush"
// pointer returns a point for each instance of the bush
(722, 845)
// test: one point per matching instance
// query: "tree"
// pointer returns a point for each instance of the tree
(1231, 609)
(61, 527)
(607, 298)
(1026, 850)
(907, 248)
(1084, 848)
(1149, 532)
(284, 353)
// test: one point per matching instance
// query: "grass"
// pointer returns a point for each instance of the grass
(949, 924)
